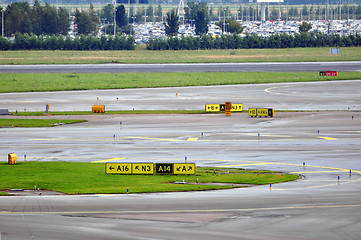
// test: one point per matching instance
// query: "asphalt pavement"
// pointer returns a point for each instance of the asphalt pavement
(317, 206)
(191, 67)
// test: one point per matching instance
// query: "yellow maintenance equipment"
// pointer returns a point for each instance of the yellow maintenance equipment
(98, 109)
(12, 158)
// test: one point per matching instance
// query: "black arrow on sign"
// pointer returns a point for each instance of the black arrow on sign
(190, 168)
(178, 169)
(111, 168)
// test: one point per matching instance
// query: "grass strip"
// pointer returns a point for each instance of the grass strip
(35, 122)
(192, 56)
(90, 178)
(112, 112)
(31, 82)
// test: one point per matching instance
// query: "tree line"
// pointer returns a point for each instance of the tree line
(32, 42)
(298, 40)
(38, 19)
(46, 19)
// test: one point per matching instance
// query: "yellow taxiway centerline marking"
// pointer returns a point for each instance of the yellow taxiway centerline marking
(192, 139)
(268, 90)
(108, 160)
(247, 164)
(318, 172)
(161, 139)
(188, 211)
(328, 138)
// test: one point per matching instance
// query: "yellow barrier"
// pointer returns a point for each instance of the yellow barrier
(252, 112)
(98, 109)
(150, 168)
(237, 107)
(228, 107)
(261, 112)
(222, 107)
(12, 158)
(212, 108)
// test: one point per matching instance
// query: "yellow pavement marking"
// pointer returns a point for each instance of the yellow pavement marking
(108, 160)
(268, 135)
(187, 210)
(269, 90)
(247, 164)
(328, 138)
(45, 139)
(192, 139)
(152, 138)
(318, 172)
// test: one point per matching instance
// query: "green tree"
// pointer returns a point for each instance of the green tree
(37, 12)
(172, 23)
(274, 14)
(93, 15)
(49, 20)
(201, 22)
(305, 27)
(63, 21)
(121, 17)
(106, 13)
(234, 26)
(304, 11)
(192, 8)
(159, 13)
(84, 23)
(18, 18)
(149, 12)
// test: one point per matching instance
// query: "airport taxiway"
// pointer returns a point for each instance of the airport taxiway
(317, 206)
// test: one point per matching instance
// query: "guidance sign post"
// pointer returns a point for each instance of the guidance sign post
(118, 168)
(143, 168)
(238, 107)
(185, 168)
(164, 168)
(150, 168)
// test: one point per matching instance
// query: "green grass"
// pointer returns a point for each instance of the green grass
(90, 178)
(35, 122)
(84, 81)
(193, 56)
(111, 112)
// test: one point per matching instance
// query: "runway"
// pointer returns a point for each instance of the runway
(317, 206)
(330, 95)
(191, 67)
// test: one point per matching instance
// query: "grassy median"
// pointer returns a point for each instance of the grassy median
(140, 55)
(90, 178)
(88, 81)
(36, 122)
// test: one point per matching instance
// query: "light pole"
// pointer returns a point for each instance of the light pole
(224, 21)
(2, 22)
(115, 23)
